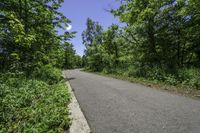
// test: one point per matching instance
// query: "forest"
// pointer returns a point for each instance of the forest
(33, 94)
(159, 42)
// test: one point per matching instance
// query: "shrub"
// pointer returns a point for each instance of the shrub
(132, 72)
(190, 77)
(171, 79)
(48, 73)
(33, 106)
(156, 73)
(105, 71)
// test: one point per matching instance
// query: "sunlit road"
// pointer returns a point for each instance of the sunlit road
(115, 106)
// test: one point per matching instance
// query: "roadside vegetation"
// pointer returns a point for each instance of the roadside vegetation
(32, 105)
(157, 42)
(33, 93)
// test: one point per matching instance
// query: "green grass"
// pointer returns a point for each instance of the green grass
(31, 105)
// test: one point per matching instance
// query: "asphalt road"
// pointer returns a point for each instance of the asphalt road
(116, 106)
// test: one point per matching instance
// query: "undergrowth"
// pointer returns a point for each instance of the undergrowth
(33, 105)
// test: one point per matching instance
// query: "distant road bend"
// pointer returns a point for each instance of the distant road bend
(116, 106)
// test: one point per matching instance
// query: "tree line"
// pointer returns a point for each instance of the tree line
(29, 38)
(160, 41)
(33, 94)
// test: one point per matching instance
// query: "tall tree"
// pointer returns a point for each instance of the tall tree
(111, 43)
(92, 33)
(28, 35)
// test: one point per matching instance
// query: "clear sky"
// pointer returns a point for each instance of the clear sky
(79, 10)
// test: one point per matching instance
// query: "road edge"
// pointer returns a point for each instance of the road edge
(158, 86)
(79, 122)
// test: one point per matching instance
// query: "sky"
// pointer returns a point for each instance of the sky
(79, 10)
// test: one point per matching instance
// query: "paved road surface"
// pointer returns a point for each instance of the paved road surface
(115, 106)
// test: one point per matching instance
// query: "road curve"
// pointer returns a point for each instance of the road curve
(116, 106)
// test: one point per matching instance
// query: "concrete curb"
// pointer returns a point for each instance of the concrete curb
(79, 122)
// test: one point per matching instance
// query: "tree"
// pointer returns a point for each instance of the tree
(111, 43)
(28, 35)
(91, 36)
(156, 29)
(71, 60)
(159, 41)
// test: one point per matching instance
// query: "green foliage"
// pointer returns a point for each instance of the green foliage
(190, 77)
(92, 33)
(159, 42)
(94, 61)
(30, 105)
(33, 98)
(71, 60)
(91, 37)
(171, 79)
(29, 34)
(48, 73)
(156, 74)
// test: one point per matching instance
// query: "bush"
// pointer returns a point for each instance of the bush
(105, 71)
(48, 73)
(133, 71)
(171, 79)
(156, 73)
(190, 77)
(33, 106)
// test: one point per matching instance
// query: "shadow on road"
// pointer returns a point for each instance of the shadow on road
(71, 78)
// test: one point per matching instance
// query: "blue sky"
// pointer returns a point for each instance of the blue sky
(79, 10)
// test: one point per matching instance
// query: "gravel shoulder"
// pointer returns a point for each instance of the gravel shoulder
(79, 122)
